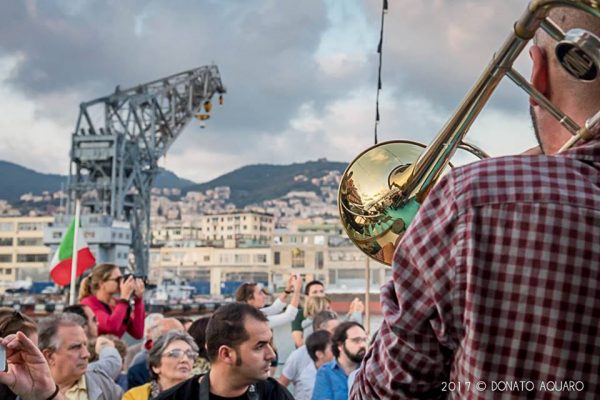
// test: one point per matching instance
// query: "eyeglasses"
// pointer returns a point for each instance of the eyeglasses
(178, 353)
(359, 340)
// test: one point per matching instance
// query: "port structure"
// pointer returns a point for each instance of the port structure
(118, 141)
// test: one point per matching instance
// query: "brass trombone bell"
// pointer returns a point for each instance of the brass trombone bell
(382, 189)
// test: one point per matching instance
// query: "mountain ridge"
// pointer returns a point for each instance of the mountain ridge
(249, 184)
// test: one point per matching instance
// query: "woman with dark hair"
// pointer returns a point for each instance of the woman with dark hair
(170, 362)
(114, 315)
(198, 332)
(254, 294)
(11, 322)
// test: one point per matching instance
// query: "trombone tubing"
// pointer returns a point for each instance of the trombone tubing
(438, 154)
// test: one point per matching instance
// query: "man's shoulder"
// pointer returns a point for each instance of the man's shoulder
(330, 366)
(270, 389)
(98, 382)
(509, 179)
(297, 354)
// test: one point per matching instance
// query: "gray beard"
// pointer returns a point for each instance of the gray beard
(535, 128)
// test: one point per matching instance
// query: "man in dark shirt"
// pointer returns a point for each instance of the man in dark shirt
(237, 342)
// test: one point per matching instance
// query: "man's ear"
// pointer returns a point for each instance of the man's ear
(539, 72)
(48, 355)
(227, 355)
(319, 354)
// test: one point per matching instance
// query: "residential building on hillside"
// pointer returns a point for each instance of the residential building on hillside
(231, 229)
(317, 250)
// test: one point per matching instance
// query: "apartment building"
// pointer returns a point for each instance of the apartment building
(23, 255)
(316, 251)
(210, 264)
(324, 252)
(230, 229)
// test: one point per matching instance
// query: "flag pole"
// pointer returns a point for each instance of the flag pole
(72, 296)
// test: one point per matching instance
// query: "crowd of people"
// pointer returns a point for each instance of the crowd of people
(496, 280)
(230, 354)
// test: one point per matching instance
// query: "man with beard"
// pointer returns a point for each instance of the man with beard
(498, 276)
(237, 344)
(349, 345)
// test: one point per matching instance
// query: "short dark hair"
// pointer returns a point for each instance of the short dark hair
(198, 332)
(317, 341)
(76, 309)
(13, 321)
(245, 292)
(312, 283)
(226, 327)
(340, 335)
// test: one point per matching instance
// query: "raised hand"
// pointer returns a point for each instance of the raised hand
(28, 374)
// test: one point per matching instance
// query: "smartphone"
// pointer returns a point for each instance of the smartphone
(3, 366)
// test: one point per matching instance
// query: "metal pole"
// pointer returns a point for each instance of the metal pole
(72, 295)
(368, 296)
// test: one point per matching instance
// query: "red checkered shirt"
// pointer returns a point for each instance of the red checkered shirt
(496, 286)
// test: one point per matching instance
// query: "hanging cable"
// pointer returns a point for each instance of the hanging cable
(380, 51)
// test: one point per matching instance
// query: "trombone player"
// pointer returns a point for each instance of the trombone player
(496, 283)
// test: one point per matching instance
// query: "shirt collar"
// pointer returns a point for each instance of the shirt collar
(80, 385)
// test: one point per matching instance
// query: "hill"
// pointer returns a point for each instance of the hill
(16, 180)
(256, 183)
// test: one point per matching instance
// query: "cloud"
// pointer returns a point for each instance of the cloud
(29, 137)
(301, 76)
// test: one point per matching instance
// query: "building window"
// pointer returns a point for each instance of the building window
(7, 226)
(319, 260)
(297, 258)
(6, 242)
(30, 242)
(276, 258)
(242, 258)
(32, 257)
(5, 258)
(29, 226)
(260, 258)
(58, 235)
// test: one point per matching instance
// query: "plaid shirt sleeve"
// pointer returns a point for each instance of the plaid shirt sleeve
(411, 354)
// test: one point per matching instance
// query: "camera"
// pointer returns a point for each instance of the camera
(136, 277)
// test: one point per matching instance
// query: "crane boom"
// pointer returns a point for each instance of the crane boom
(119, 139)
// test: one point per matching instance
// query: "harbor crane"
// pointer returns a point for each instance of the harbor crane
(118, 141)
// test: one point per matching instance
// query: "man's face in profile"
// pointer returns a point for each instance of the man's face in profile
(254, 356)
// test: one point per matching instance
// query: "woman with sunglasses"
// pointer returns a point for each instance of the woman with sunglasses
(114, 314)
(170, 362)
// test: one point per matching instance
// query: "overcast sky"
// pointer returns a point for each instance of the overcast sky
(300, 75)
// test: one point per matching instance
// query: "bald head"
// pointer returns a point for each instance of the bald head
(165, 325)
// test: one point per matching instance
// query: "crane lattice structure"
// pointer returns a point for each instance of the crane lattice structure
(119, 139)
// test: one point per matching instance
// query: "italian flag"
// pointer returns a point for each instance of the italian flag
(60, 268)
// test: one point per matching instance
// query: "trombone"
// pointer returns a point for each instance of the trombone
(382, 188)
